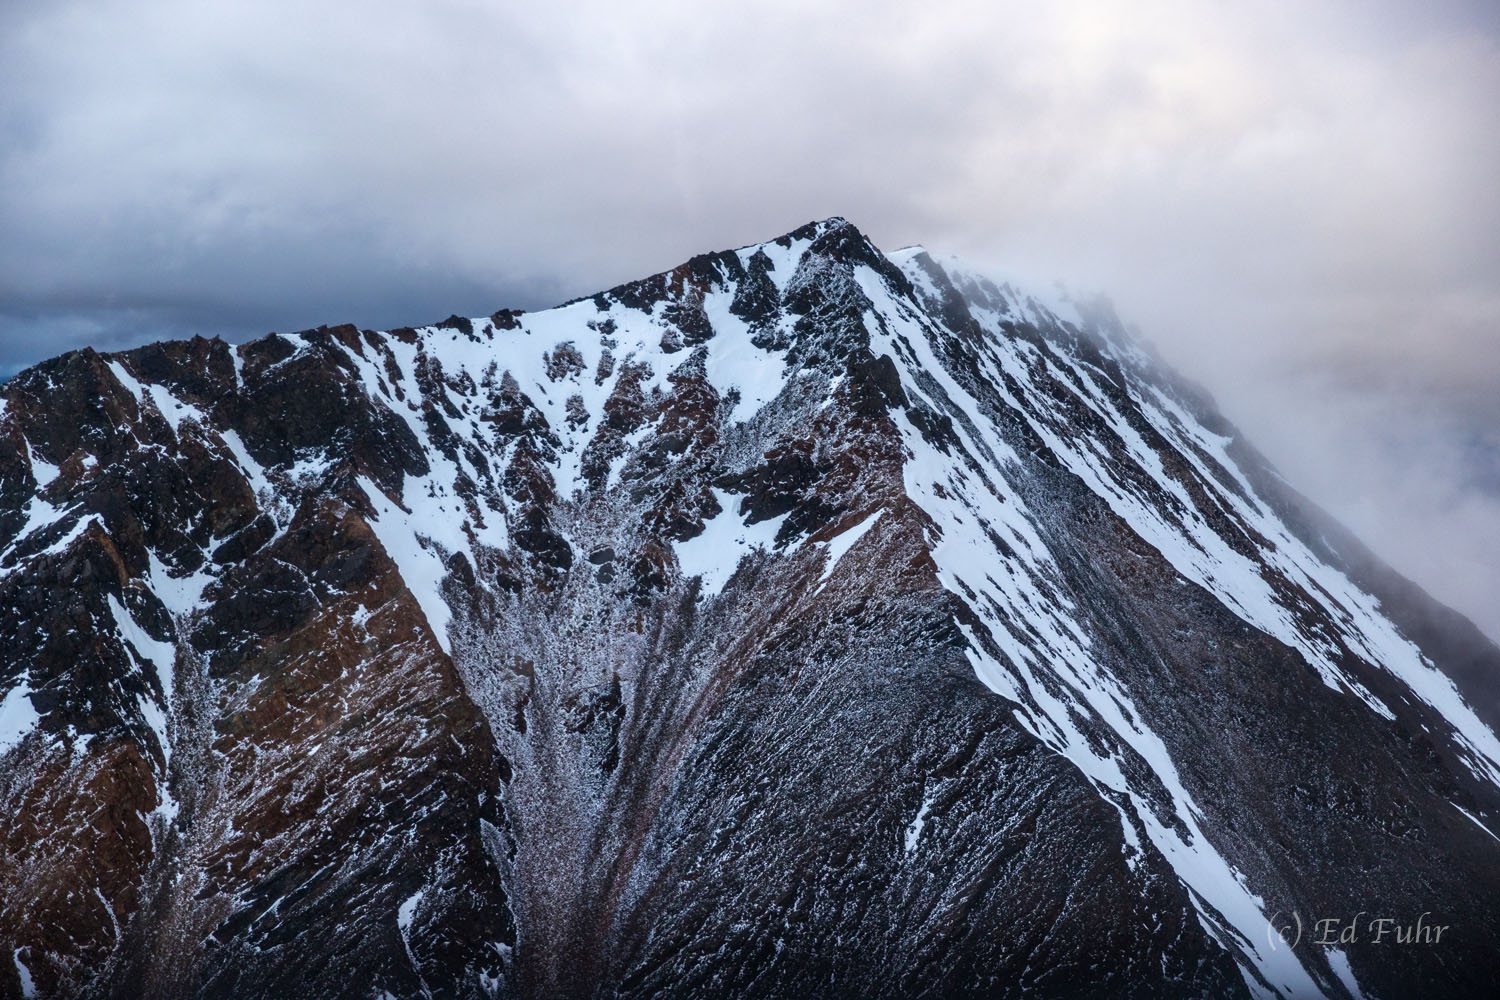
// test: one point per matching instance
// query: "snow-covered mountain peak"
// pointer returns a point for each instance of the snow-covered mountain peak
(799, 601)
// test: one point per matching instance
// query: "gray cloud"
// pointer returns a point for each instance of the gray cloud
(1295, 203)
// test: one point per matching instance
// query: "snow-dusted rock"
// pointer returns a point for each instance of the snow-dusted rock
(800, 621)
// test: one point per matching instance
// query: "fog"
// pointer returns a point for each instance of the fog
(1296, 205)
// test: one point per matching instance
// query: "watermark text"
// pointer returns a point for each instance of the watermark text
(1287, 930)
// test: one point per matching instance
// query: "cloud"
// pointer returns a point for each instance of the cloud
(1296, 202)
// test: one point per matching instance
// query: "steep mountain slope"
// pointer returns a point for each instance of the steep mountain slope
(801, 620)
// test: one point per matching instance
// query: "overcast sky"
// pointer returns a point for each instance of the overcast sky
(1296, 202)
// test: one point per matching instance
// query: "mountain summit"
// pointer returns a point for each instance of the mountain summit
(801, 621)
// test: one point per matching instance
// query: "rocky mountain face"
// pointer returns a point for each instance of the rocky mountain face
(803, 621)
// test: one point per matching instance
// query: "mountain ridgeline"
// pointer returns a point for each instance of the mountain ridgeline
(802, 621)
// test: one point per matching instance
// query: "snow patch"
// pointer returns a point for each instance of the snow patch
(255, 473)
(28, 986)
(43, 472)
(126, 379)
(404, 916)
(17, 717)
(39, 514)
(1339, 963)
(726, 539)
(174, 410)
(162, 658)
(420, 564)
(839, 545)
(68, 538)
(1475, 820)
(735, 363)
(182, 595)
(915, 827)
(407, 911)
(784, 259)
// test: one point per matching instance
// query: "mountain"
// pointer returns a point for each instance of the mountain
(802, 621)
